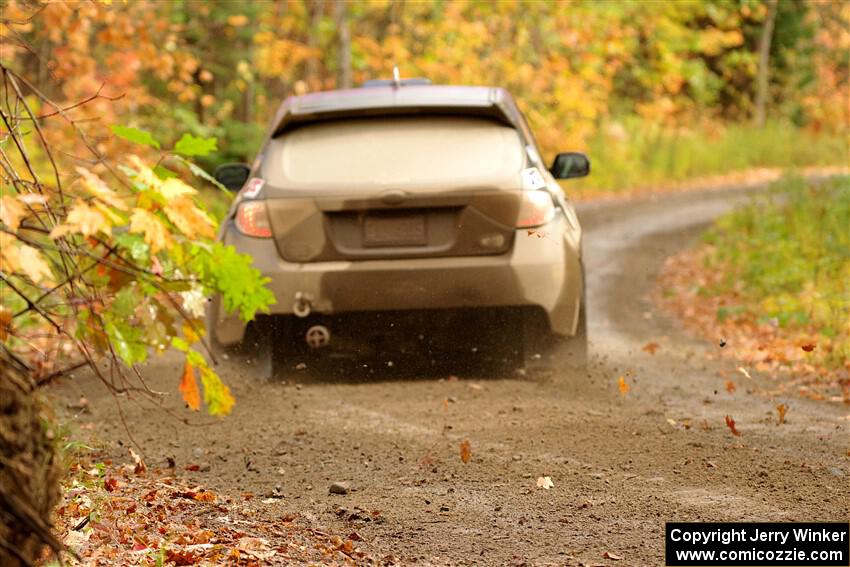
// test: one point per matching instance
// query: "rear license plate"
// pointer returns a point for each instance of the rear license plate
(394, 230)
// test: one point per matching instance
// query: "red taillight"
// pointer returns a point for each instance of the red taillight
(252, 219)
(537, 209)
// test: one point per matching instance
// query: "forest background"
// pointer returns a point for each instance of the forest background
(657, 93)
(654, 91)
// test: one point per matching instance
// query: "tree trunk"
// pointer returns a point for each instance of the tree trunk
(764, 63)
(341, 18)
(313, 80)
(29, 469)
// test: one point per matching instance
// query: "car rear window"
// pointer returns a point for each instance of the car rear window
(397, 150)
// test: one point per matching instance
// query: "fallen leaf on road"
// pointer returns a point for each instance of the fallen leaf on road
(623, 386)
(465, 451)
(613, 556)
(140, 466)
(781, 408)
(204, 497)
(743, 371)
(545, 482)
(181, 556)
(730, 423)
(808, 347)
(256, 546)
(730, 386)
(651, 348)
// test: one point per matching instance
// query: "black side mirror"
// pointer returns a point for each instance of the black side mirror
(570, 164)
(232, 175)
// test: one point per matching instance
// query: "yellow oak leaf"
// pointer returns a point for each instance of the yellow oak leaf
(7, 243)
(11, 212)
(173, 188)
(33, 199)
(144, 174)
(96, 187)
(83, 219)
(32, 264)
(189, 219)
(154, 230)
(114, 219)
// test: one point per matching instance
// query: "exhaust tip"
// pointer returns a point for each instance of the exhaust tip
(318, 336)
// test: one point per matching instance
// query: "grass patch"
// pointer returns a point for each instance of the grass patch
(786, 259)
(636, 153)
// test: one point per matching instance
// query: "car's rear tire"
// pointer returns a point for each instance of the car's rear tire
(256, 355)
(550, 354)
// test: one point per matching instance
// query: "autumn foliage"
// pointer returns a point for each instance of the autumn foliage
(632, 77)
(92, 270)
(112, 114)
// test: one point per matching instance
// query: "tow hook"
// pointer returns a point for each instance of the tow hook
(302, 306)
(318, 336)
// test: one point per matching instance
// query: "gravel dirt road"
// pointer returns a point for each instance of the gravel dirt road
(621, 466)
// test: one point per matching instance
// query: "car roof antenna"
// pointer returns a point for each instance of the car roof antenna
(396, 77)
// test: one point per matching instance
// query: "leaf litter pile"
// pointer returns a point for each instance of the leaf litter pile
(125, 514)
(786, 355)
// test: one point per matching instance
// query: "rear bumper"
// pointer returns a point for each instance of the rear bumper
(542, 269)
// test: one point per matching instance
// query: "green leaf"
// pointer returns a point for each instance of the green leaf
(226, 271)
(135, 245)
(199, 172)
(217, 395)
(126, 341)
(196, 359)
(163, 172)
(126, 301)
(134, 135)
(189, 145)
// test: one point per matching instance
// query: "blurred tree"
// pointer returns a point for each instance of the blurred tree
(577, 67)
(764, 62)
